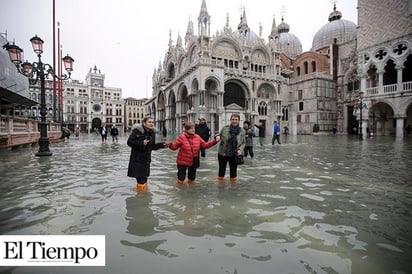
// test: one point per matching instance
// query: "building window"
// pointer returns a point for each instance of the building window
(300, 106)
(300, 95)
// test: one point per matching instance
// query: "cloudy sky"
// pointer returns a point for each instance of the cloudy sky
(126, 39)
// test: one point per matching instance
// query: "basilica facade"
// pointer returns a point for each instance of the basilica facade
(355, 79)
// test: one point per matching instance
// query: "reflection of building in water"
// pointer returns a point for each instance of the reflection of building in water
(266, 80)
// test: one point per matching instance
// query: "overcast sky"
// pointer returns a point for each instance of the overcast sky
(126, 39)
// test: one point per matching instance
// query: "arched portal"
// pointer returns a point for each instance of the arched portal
(96, 124)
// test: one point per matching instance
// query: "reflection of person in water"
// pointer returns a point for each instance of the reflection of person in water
(141, 219)
(142, 222)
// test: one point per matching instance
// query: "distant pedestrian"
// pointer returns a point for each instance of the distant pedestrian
(232, 144)
(249, 134)
(103, 133)
(114, 132)
(142, 142)
(262, 132)
(276, 133)
(77, 132)
(286, 130)
(164, 133)
(204, 132)
(189, 143)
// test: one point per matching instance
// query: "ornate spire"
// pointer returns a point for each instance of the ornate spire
(179, 41)
(243, 22)
(274, 31)
(189, 32)
(170, 40)
(227, 27)
(204, 20)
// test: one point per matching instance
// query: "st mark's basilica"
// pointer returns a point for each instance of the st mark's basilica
(355, 79)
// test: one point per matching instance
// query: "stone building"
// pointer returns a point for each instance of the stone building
(89, 105)
(238, 71)
(134, 111)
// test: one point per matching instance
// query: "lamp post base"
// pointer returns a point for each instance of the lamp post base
(44, 147)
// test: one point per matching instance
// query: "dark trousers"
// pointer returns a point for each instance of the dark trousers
(275, 137)
(202, 152)
(248, 150)
(141, 180)
(223, 160)
(181, 172)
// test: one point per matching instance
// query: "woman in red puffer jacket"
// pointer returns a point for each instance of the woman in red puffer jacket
(189, 144)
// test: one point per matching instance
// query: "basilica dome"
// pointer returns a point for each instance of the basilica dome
(337, 31)
(289, 44)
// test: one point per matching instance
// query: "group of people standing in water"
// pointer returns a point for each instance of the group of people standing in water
(191, 144)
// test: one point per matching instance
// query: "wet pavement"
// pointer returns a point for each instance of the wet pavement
(314, 204)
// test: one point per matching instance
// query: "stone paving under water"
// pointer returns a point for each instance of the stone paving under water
(314, 204)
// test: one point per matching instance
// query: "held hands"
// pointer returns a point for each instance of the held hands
(167, 144)
(217, 138)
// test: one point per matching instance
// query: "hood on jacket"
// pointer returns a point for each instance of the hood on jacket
(140, 128)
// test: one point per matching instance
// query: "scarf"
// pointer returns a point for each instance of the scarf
(234, 131)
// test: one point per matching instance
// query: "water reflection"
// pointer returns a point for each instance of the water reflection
(315, 204)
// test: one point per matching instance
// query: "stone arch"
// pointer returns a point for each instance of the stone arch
(172, 110)
(192, 53)
(170, 71)
(183, 97)
(180, 63)
(390, 73)
(212, 84)
(407, 69)
(405, 105)
(161, 107)
(381, 116)
(260, 56)
(194, 90)
(96, 123)
(266, 91)
(194, 87)
(153, 112)
(226, 48)
(236, 93)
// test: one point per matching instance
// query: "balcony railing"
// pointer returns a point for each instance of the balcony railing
(390, 89)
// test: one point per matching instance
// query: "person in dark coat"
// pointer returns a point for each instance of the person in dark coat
(262, 131)
(114, 132)
(142, 142)
(203, 131)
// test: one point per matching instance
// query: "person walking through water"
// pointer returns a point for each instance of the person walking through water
(103, 133)
(189, 143)
(204, 132)
(261, 133)
(249, 133)
(164, 133)
(114, 132)
(232, 143)
(276, 133)
(142, 142)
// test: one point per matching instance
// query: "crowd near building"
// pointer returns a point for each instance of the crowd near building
(353, 75)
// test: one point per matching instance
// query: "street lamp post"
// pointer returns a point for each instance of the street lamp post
(360, 105)
(38, 71)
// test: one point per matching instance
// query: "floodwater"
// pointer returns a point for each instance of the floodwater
(314, 204)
